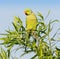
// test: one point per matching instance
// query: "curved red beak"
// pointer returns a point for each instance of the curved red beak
(25, 13)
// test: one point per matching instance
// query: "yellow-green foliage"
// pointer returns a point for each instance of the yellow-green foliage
(37, 41)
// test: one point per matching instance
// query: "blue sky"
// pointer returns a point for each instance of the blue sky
(11, 8)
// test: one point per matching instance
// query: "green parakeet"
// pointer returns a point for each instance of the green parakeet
(31, 20)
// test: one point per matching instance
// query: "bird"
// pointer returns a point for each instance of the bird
(31, 20)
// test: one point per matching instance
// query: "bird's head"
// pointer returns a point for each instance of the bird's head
(28, 11)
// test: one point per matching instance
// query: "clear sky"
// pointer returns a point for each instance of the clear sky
(11, 8)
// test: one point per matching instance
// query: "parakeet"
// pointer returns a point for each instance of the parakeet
(31, 20)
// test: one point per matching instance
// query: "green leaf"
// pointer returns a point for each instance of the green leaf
(3, 54)
(57, 52)
(49, 27)
(23, 54)
(15, 27)
(34, 57)
(50, 24)
(40, 15)
(54, 36)
(47, 14)
(26, 52)
(41, 26)
(53, 21)
(17, 23)
(17, 20)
